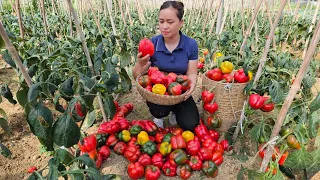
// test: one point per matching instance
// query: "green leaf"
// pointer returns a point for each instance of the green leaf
(93, 173)
(125, 81)
(65, 131)
(75, 166)
(4, 124)
(86, 160)
(7, 58)
(314, 121)
(315, 154)
(255, 132)
(113, 82)
(53, 169)
(109, 105)
(125, 59)
(98, 57)
(241, 173)
(64, 156)
(57, 104)
(6, 92)
(22, 96)
(315, 104)
(299, 159)
(276, 92)
(33, 92)
(40, 121)
(88, 122)
(5, 151)
(66, 89)
(87, 82)
(317, 139)
(111, 177)
(254, 175)
(47, 143)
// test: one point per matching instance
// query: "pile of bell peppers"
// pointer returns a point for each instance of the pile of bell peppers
(152, 151)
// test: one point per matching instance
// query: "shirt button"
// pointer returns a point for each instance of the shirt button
(172, 59)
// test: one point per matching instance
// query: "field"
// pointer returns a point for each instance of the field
(45, 110)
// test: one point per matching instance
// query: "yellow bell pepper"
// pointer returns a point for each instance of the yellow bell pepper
(216, 55)
(165, 148)
(143, 137)
(125, 135)
(226, 67)
(159, 89)
(250, 75)
(188, 136)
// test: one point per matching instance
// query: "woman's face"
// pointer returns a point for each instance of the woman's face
(169, 22)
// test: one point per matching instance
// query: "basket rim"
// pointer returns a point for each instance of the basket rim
(154, 94)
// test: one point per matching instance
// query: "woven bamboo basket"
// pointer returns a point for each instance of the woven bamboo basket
(157, 98)
(230, 99)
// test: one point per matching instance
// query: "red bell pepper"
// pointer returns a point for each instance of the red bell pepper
(152, 172)
(217, 157)
(99, 161)
(145, 160)
(167, 81)
(157, 77)
(200, 65)
(209, 169)
(150, 127)
(185, 85)
(184, 171)
(176, 131)
(240, 76)
(120, 148)
(219, 147)
(204, 137)
(105, 152)
(152, 138)
(135, 170)
(132, 141)
(268, 106)
(116, 104)
(124, 123)
(225, 145)
(193, 147)
(88, 143)
(256, 101)
(210, 144)
(214, 121)
(122, 111)
(201, 130)
(283, 158)
(110, 127)
(178, 142)
(132, 153)
(175, 89)
(195, 163)
(227, 77)
(211, 107)
(144, 81)
(182, 78)
(215, 74)
(207, 97)
(112, 140)
(149, 88)
(32, 169)
(178, 157)
(205, 154)
(169, 169)
(173, 76)
(214, 135)
(157, 160)
(152, 69)
(159, 137)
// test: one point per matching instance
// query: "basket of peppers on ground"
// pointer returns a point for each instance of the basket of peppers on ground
(152, 151)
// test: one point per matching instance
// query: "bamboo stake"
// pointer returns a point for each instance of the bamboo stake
(201, 10)
(248, 32)
(54, 9)
(224, 19)
(206, 19)
(95, 17)
(293, 91)
(242, 16)
(111, 19)
(215, 16)
(219, 20)
(128, 12)
(19, 19)
(270, 21)
(124, 20)
(86, 52)
(262, 60)
(304, 13)
(70, 21)
(296, 13)
(15, 55)
(311, 27)
(44, 19)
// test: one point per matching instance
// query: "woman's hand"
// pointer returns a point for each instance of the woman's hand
(142, 65)
(190, 91)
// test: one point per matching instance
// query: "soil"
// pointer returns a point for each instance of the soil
(26, 149)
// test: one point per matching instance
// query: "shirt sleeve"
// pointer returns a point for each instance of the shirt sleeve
(193, 50)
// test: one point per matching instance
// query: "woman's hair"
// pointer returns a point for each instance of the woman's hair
(178, 5)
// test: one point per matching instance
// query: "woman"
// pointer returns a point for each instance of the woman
(174, 52)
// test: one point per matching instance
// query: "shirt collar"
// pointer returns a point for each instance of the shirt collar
(161, 46)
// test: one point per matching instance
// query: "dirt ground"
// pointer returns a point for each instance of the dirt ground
(26, 149)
